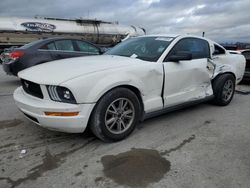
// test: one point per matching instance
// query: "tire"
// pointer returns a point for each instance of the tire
(223, 88)
(115, 115)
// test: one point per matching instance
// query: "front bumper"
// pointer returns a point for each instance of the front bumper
(34, 109)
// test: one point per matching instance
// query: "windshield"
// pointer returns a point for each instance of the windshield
(144, 48)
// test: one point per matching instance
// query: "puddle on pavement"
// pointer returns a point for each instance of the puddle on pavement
(10, 123)
(135, 168)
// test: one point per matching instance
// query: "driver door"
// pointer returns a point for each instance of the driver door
(188, 80)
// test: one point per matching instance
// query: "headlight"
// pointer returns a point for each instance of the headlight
(61, 94)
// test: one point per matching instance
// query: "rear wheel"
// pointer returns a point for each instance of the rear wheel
(115, 115)
(223, 88)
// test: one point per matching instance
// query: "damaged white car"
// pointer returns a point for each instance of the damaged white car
(139, 78)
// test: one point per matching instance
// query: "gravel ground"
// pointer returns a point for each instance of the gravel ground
(201, 146)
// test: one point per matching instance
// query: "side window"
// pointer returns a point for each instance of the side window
(64, 45)
(86, 47)
(218, 50)
(197, 47)
(50, 46)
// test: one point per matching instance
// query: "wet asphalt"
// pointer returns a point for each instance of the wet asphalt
(200, 146)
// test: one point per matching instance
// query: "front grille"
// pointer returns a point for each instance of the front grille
(32, 88)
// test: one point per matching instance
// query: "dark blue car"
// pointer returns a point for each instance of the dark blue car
(46, 50)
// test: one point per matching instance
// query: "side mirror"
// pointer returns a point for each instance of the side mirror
(180, 56)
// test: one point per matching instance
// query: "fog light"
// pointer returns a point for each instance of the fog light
(61, 113)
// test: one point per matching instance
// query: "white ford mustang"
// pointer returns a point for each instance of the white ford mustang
(139, 78)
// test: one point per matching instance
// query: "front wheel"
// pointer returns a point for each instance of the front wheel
(115, 115)
(223, 88)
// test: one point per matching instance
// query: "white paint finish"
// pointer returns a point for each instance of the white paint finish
(74, 67)
(89, 78)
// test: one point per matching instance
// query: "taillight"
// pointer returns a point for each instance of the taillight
(16, 55)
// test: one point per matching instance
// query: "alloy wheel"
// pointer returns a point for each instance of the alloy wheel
(227, 90)
(119, 115)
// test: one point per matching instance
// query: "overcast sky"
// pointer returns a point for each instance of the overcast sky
(222, 20)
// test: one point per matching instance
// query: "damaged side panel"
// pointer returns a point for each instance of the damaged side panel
(230, 63)
(151, 79)
(187, 81)
(226, 62)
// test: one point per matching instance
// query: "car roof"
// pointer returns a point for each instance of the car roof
(61, 38)
(161, 35)
(176, 36)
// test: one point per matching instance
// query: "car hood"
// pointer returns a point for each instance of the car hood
(57, 72)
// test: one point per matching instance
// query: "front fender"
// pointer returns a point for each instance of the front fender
(89, 89)
(146, 77)
(112, 81)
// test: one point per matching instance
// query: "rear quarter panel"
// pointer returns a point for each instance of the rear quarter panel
(234, 63)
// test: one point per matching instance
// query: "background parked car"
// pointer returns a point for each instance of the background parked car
(246, 54)
(46, 50)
